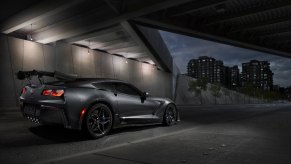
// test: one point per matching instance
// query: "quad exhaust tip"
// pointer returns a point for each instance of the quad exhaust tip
(33, 119)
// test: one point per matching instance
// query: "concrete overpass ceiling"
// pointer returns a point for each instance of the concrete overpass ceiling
(62, 14)
(101, 25)
(9, 9)
(112, 25)
(146, 59)
(114, 40)
(263, 25)
(59, 20)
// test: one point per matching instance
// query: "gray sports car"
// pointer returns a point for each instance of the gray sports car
(92, 105)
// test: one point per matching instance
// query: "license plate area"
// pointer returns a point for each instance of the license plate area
(31, 110)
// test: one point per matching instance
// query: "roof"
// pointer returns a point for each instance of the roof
(98, 80)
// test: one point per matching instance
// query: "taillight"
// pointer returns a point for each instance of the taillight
(46, 92)
(23, 91)
(53, 92)
(83, 112)
(57, 93)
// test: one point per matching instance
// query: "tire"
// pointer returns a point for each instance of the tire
(170, 115)
(98, 121)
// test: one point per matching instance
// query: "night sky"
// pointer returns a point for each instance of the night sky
(184, 48)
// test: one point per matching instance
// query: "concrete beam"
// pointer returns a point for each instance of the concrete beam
(117, 45)
(112, 6)
(154, 41)
(138, 40)
(260, 24)
(105, 45)
(135, 56)
(93, 35)
(133, 49)
(194, 6)
(277, 32)
(36, 13)
(198, 34)
(248, 12)
(77, 26)
(276, 38)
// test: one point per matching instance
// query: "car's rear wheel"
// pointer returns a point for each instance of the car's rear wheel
(170, 115)
(98, 121)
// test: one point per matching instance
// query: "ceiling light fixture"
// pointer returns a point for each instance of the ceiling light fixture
(29, 36)
(153, 65)
(126, 58)
(89, 47)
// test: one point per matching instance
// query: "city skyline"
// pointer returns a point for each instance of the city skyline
(184, 48)
(257, 73)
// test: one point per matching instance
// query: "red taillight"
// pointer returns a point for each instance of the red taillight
(83, 112)
(55, 93)
(46, 92)
(23, 91)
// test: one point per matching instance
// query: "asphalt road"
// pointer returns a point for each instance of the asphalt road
(211, 134)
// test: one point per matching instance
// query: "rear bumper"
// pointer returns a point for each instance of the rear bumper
(45, 114)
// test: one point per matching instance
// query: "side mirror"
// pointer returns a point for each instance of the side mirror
(145, 95)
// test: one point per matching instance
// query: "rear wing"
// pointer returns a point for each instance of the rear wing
(22, 75)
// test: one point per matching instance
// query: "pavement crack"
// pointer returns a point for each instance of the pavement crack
(109, 156)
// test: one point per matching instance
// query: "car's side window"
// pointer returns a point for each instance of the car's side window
(107, 86)
(126, 89)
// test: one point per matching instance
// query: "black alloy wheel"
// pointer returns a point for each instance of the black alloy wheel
(98, 121)
(170, 115)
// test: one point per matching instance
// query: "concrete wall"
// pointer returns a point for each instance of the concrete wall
(17, 54)
(185, 97)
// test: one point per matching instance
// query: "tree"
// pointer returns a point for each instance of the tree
(197, 86)
(258, 93)
(215, 90)
(248, 90)
(272, 95)
(226, 93)
(193, 87)
(202, 83)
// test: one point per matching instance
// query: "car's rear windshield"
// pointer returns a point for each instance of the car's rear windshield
(55, 83)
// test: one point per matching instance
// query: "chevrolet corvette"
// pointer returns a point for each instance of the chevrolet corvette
(93, 105)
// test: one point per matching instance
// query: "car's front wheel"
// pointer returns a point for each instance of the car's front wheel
(98, 121)
(170, 115)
